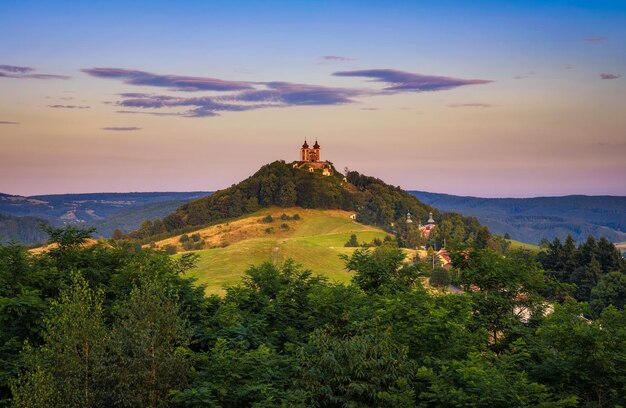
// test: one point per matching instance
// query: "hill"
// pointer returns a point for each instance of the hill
(315, 239)
(281, 184)
(105, 211)
(533, 219)
(21, 229)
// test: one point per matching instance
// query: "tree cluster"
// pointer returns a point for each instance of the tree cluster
(109, 326)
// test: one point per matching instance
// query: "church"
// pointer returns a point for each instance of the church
(311, 160)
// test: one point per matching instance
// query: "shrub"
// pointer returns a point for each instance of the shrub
(285, 217)
(269, 230)
(295, 217)
(268, 218)
(184, 238)
(198, 245)
(170, 249)
(376, 242)
(352, 242)
(196, 237)
(440, 277)
(284, 226)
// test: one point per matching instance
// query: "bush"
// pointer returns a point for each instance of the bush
(376, 242)
(285, 217)
(198, 245)
(196, 237)
(268, 218)
(269, 230)
(188, 245)
(352, 242)
(184, 238)
(295, 217)
(170, 249)
(284, 226)
(440, 277)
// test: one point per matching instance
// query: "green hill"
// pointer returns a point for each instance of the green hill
(315, 240)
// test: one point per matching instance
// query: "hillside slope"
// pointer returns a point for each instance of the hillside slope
(20, 229)
(315, 240)
(532, 219)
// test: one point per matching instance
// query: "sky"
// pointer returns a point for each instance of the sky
(481, 98)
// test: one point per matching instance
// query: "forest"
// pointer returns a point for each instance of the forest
(115, 325)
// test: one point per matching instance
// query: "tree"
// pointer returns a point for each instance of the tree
(352, 242)
(147, 346)
(440, 277)
(611, 290)
(69, 367)
(382, 269)
(287, 195)
(117, 234)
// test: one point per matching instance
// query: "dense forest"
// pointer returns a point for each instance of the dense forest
(114, 325)
(279, 184)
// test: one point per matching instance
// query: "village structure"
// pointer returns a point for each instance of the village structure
(311, 160)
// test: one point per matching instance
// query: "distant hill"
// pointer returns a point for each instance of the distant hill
(532, 219)
(21, 229)
(105, 211)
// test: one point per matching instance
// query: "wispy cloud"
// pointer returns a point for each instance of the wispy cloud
(335, 58)
(121, 128)
(6, 122)
(68, 107)
(240, 96)
(524, 76)
(595, 39)
(470, 105)
(399, 81)
(16, 69)
(609, 76)
(13, 71)
(174, 82)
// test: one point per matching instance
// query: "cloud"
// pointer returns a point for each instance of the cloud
(174, 82)
(6, 122)
(15, 69)
(401, 81)
(524, 76)
(595, 39)
(240, 96)
(470, 105)
(68, 107)
(609, 76)
(335, 58)
(121, 128)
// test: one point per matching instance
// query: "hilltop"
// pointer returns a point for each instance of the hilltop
(281, 184)
(533, 219)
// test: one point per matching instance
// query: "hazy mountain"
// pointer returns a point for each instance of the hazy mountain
(105, 211)
(532, 219)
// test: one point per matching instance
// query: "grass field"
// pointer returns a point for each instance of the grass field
(315, 241)
(522, 245)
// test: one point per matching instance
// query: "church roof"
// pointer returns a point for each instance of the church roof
(316, 146)
(305, 145)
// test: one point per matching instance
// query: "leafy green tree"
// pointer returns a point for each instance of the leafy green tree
(365, 370)
(287, 195)
(611, 290)
(382, 269)
(148, 347)
(70, 365)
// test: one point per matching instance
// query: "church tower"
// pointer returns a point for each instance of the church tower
(304, 152)
(314, 155)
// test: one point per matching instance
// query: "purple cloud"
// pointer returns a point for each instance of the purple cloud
(6, 122)
(15, 69)
(68, 107)
(470, 105)
(609, 76)
(595, 39)
(335, 58)
(174, 82)
(400, 81)
(121, 128)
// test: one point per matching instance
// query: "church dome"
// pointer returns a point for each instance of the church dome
(305, 145)
(316, 146)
